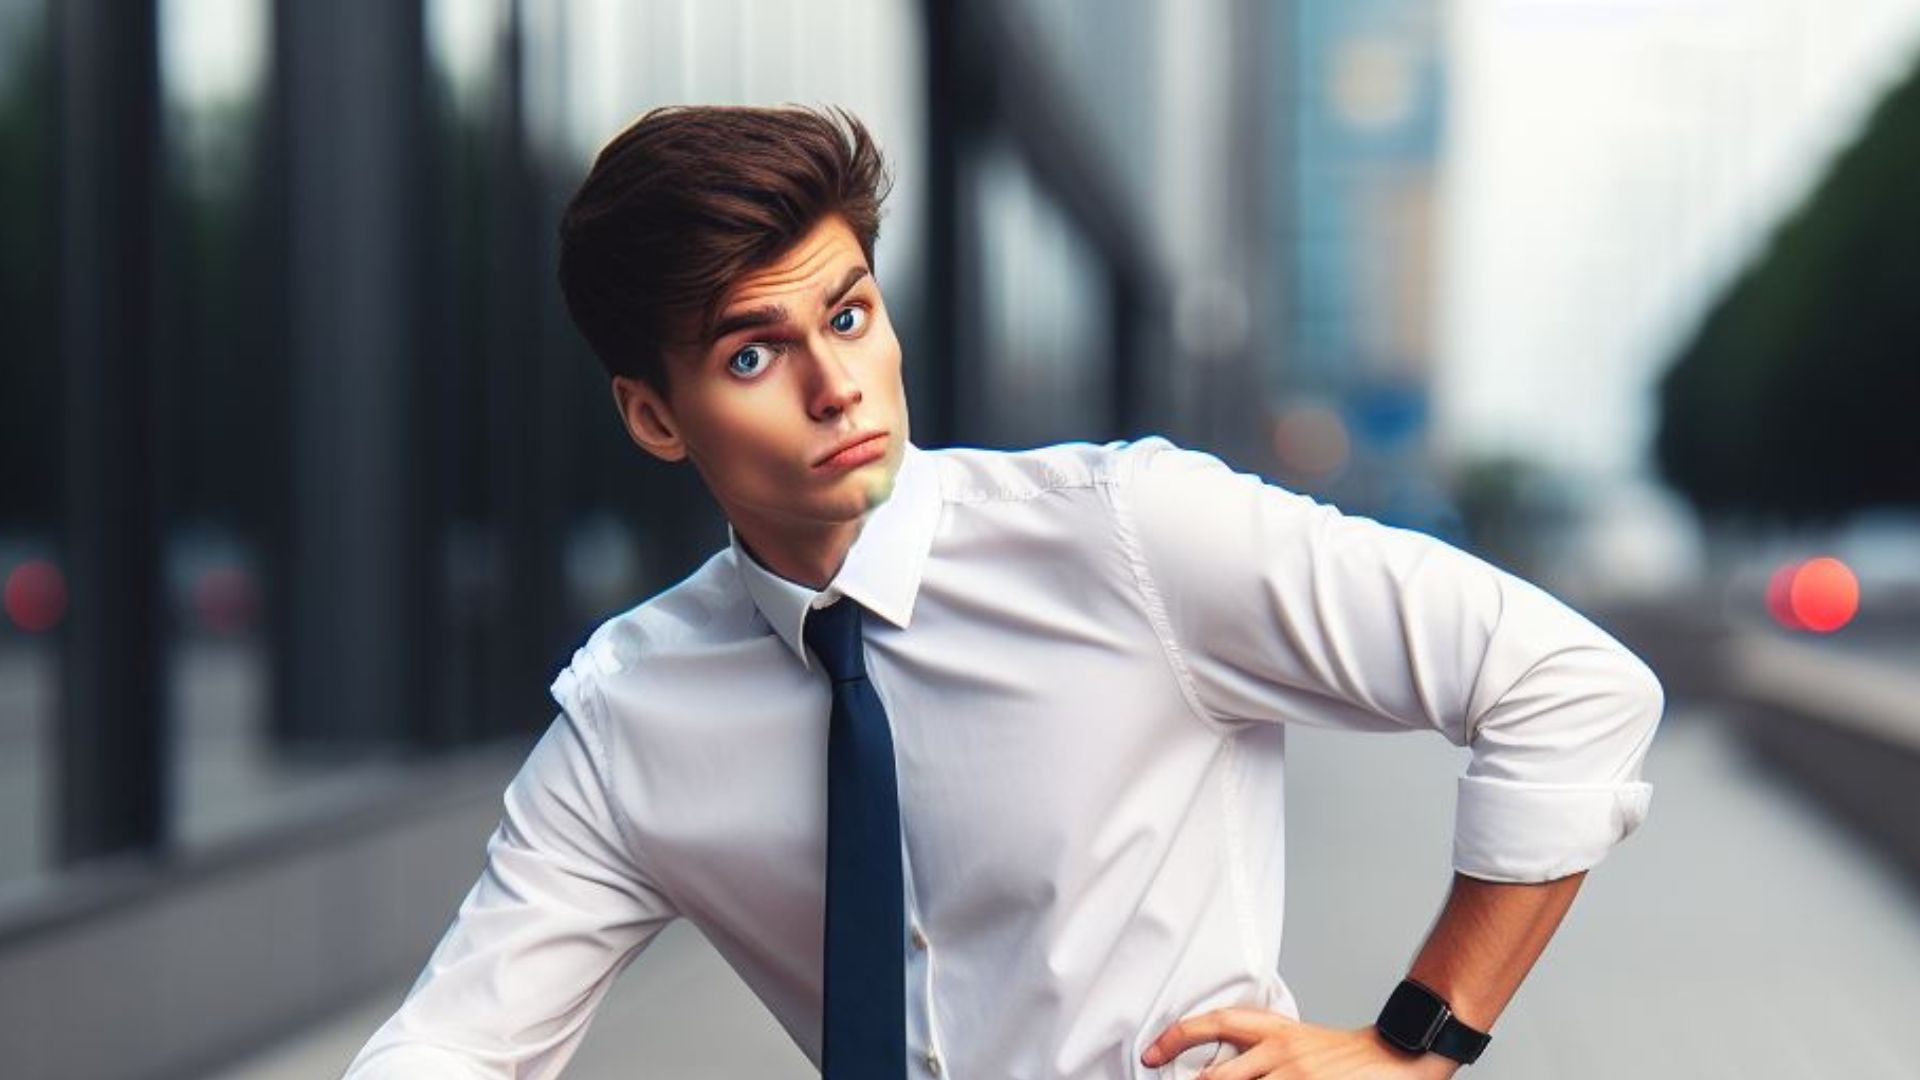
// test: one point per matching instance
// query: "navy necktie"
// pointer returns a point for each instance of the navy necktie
(864, 1037)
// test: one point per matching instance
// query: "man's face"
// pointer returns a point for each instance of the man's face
(803, 361)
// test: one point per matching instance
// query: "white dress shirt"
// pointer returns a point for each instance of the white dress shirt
(1088, 655)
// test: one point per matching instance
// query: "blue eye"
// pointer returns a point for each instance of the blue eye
(756, 358)
(849, 319)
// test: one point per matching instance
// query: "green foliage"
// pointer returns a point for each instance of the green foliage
(1798, 398)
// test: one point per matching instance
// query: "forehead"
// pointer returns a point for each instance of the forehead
(816, 261)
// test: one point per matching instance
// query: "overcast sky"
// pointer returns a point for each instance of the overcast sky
(1609, 164)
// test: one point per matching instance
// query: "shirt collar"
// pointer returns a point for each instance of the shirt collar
(881, 571)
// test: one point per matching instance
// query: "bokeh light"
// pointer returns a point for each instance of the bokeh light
(1824, 595)
(36, 596)
(1819, 595)
(225, 600)
(1780, 596)
(1311, 440)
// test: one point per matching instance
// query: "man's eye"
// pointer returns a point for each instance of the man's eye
(849, 319)
(751, 361)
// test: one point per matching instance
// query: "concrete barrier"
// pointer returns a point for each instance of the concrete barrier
(164, 970)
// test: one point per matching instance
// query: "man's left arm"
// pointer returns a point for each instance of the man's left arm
(1285, 609)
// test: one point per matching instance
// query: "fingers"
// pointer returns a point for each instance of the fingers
(1261, 1061)
(1241, 1027)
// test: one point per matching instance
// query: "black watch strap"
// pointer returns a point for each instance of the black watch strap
(1418, 1020)
(1459, 1042)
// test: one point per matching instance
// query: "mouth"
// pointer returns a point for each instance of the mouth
(856, 451)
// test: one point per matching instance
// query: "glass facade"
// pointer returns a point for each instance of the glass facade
(224, 434)
(1359, 110)
(388, 495)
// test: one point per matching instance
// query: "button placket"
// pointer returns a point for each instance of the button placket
(917, 937)
(935, 1065)
(919, 1005)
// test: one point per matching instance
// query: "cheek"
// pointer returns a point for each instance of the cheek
(730, 428)
(886, 349)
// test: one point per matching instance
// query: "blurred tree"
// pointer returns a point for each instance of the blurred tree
(1798, 398)
(1511, 509)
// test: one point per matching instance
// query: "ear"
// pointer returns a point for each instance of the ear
(649, 419)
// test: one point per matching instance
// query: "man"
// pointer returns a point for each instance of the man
(1027, 822)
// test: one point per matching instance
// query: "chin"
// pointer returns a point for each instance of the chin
(875, 482)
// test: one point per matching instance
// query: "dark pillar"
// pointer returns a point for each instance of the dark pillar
(937, 421)
(1127, 330)
(112, 752)
(525, 491)
(363, 566)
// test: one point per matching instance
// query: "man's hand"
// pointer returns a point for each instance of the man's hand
(1281, 1048)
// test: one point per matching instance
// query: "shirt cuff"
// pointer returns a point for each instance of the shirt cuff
(1520, 831)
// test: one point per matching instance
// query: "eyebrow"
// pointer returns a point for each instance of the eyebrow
(775, 314)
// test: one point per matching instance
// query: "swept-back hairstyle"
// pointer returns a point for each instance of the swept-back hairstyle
(688, 199)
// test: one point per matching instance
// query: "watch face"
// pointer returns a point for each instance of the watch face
(1412, 1017)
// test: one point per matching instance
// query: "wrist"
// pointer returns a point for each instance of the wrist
(1419, 1021)
(1465, 1007)
(1423, 1066)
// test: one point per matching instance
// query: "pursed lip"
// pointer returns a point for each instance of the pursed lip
(849, 444)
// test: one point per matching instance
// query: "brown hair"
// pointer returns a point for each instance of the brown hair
(688, 199)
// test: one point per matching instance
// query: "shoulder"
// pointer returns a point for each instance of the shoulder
(974, 475)
(707, 609)
(1193, 510)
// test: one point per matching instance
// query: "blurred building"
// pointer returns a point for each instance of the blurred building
(311, 486)
(1357, 107)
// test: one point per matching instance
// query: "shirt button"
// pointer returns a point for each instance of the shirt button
(919, 937)
(933, 1062)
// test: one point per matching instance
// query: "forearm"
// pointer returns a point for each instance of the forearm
(1486, 939)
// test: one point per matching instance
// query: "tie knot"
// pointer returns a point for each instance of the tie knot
(833, 633)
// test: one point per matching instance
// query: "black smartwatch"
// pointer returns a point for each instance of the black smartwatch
(1418, 1020)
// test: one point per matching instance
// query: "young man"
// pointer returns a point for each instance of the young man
(1027, 822)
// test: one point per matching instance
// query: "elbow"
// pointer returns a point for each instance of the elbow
(1649, 697)
(1640, 704)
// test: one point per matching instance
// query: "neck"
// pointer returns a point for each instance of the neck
(810, 559)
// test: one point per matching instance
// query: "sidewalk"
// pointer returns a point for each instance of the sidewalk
(1739, 934)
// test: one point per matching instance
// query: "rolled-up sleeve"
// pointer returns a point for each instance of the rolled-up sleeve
(560, 908)
(1278, 608)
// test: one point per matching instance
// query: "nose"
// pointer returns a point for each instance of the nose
(834, 388)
